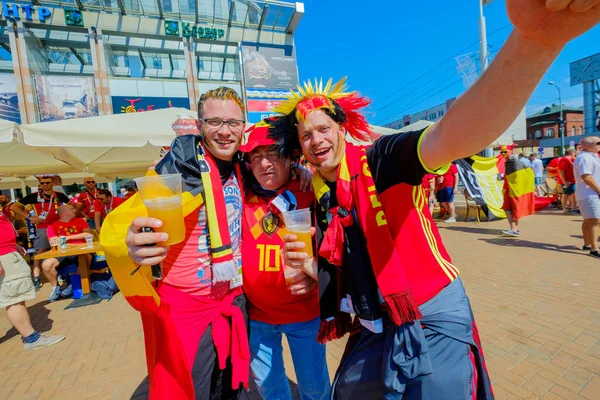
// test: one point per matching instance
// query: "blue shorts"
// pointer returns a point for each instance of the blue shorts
(569, 190)
(538, 180)
(446, 195)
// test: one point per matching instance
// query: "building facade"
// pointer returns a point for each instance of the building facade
(432, 114)
(545, 124)
(73, 59)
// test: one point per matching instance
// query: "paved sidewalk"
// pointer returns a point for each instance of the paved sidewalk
(536, 300)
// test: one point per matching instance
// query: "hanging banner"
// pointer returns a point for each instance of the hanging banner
(9, 101)
(132, 104)
(480, 175)
(65, 97)
(270, 67)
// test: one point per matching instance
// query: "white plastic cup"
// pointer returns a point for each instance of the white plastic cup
(89, 241)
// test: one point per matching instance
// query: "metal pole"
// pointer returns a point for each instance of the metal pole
(483, 57)
(562, 125)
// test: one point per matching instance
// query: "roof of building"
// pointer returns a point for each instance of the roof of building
(554, 108)
(544, 123)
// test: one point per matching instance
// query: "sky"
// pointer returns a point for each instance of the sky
(385, 47)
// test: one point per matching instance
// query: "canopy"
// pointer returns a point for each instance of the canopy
(17, 182)
(111, 145)
(19, 159)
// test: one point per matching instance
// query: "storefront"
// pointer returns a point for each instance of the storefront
(79, 58)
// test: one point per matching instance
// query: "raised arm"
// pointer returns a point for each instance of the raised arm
(487, 109)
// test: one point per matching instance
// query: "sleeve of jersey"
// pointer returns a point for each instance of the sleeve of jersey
(396, 159)
(63, 198)
(29, 199)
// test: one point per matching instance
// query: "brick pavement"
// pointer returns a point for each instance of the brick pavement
(536, 300)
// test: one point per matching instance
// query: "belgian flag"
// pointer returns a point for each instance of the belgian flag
(519, 188)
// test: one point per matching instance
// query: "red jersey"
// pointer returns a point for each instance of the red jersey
(427, 181)
(8, 236)
(106, 208)
(45, 206)
(73, 227)
(449, 179)
(269, 299)
(552, 169)
(88, 200)
(566, 164)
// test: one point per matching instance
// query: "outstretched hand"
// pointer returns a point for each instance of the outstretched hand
(553, 23)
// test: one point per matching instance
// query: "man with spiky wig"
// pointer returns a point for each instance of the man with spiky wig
(414, 336)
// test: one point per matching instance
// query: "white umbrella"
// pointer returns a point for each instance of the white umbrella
(18, 159)
(119, 144)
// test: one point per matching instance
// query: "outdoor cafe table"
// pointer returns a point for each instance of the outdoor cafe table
(80, 250)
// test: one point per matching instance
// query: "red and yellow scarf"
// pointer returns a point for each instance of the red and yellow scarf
(355, 191)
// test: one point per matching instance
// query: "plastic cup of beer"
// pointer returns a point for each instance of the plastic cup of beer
(89, 241)
(161, 195)
(297, 223)
(290, 273)
(54, 243)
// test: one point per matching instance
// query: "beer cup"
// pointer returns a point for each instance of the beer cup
(298, 223)
(161, 195)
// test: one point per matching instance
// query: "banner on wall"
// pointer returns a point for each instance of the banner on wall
(65, 97)
(132, 104)
(9, 101)
(261, 102)
(270, 67)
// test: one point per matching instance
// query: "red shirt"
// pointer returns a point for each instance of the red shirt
(106, 208)
(73, 227)
(552, 169)
(427, 180)
(43, 204)
(449, 179)
(566, 164)
(269, 299)
(88, 199)
(8, 237)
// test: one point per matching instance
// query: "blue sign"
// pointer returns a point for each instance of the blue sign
(132, 104)
(541, 150)
(12, 11)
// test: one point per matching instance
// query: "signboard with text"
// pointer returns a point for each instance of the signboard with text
(65, 97)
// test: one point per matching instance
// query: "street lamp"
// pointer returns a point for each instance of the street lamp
(483, 54)
(561, 126)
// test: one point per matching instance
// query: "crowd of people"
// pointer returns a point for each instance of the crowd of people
(33, 225)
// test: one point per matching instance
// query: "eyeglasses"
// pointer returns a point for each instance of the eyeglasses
(233, 124)
(90, 181)
(504, 152)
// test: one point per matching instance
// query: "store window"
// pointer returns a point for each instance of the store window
(573, 131)
(538, 134)
(550, 132)
(581, 130)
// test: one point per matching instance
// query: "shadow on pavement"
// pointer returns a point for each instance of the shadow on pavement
(252, 394)
(514, 242)
(466, 229)
(38, 314)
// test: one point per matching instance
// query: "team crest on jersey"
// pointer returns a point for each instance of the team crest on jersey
(270, 223)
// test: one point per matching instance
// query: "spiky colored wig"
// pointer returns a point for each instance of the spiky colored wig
(333, 99)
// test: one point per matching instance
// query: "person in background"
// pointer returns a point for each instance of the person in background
(104, 204)
(538, 171)
(518, 190)
(538, 168)
(429, 187)
(448, 188)
(86, 201)
(565, 170)
(45, 204)
(131, 190)
(75, 230)
(6, 205)
(587, 192)
(16, 287)
(524, 160)
(122, 192)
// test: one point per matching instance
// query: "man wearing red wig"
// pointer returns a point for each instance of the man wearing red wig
(414, 336)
